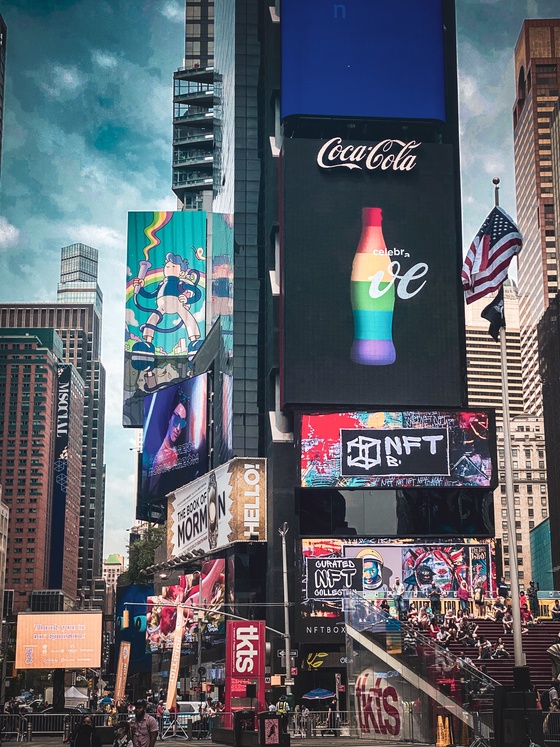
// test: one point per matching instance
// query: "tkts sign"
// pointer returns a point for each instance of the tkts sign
(245, 661)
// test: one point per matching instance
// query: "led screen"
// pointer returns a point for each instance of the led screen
(372, 305)
(398, 449)
(330, 567)
(165, 302)
(174, 450)
(205, 590)
(67, 640)
(360, 58)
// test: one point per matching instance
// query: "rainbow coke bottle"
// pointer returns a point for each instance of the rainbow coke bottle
(373, 317)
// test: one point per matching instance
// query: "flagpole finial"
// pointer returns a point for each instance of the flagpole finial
(496, 183)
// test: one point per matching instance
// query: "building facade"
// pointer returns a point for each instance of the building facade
(537, 69)
(79, 326)
(30, 364)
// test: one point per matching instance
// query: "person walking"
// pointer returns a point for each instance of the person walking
(86, 734)
(144, 726)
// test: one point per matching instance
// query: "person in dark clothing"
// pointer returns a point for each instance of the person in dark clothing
(86, 734)
(434, 595)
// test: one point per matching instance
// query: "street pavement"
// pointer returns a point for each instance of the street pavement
(327, 741)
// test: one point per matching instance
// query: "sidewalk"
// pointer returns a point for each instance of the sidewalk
(307, 742)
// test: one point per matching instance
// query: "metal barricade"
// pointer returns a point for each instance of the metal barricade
(179, 726)
(13, 727)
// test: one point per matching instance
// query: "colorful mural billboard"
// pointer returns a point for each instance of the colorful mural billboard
(443, 449)
(332, 567)
(165, 302)
(194, 590)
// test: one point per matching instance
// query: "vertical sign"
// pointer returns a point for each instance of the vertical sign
(245, 661)
(176, 659)
(60, 476)
(122, 670)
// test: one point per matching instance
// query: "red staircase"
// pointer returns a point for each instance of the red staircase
(535, 644)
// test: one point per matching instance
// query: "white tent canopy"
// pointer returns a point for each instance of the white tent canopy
(74, 697)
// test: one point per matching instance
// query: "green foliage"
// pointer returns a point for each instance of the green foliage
(141, 554)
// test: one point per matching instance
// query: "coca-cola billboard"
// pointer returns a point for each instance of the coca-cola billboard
(371, 256)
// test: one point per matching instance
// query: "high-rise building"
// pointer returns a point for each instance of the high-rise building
(537, 70)
(41, 487)
(193, 110)
(79, 325)
(113, 566)
(485, 390)
(3, 41)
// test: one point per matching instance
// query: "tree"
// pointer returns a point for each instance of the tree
(141, 554)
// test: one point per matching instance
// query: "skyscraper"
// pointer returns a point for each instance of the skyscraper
(485, 390)
(3, 39)
(537, 69)
(79, 325)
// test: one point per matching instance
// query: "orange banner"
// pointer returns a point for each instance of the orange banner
(122, 670)
(175, 661)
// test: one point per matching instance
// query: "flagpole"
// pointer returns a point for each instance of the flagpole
(519, 656)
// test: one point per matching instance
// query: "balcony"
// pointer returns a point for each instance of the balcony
(180, 138)
(196, 180)
(199, 158)
(202, 117)
(195, 74)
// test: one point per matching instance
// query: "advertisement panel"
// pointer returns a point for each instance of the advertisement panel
(165, 302)
(174, 448)
(331, 567)
(245, 662)
(227, 505)
(136, 596)
(331, 47)
(60, 476)
(58, 640)
(439, 449)
(371, 256)
(122, 670)
(205, 589)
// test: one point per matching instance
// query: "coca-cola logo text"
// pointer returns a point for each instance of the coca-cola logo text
(394, 155)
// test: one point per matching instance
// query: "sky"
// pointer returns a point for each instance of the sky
(87, 137)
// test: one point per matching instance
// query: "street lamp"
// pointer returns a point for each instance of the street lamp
(283, 531)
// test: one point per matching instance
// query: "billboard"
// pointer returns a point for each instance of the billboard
(330, 47)
(174, 449)
(227, 505)
(332, 567)
(58, 640)
(438, 448)
(205, 589)
(60, 475)
(372, 304)
(165, 302)
(136, 595)
(245, 663)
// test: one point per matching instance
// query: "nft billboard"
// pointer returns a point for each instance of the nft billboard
(359, 58)
(165, 302)
(372, 304)
(174, 449)
(413, 449)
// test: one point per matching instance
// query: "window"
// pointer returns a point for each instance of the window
(542, 488)
(544, 513)
(504, 512)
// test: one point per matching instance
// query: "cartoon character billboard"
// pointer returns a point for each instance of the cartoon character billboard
(165, 302)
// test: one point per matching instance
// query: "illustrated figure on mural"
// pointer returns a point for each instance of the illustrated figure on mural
(174, 295)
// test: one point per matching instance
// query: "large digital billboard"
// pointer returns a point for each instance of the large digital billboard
(165, 302)
(134, 599)
(331, 567)
(174, 449)
(58, 640)
(227, 505)
(371, 257)
(360, 58)
(442, 449)
(204, 590)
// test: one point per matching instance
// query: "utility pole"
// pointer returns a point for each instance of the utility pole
(283, 531)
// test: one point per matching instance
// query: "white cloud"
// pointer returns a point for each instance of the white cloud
(101, 237)
(9, 235)
(173, 11)
(104, 59)
(63, 81)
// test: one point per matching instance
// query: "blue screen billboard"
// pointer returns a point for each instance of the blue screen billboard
(359, 58)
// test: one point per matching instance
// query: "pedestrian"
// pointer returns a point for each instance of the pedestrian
(434, 596)
(398, 597)
(478, 597)
(122, 735)
(533, 597)
(144, 726)
(85, 734)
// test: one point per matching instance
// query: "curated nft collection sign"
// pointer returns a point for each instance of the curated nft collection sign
(372, 305)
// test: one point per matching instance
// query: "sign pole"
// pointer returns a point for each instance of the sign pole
(283, 531)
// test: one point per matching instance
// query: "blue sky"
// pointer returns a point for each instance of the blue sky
(87, 137)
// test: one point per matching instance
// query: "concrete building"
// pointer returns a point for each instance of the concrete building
(528, 448)
(79, 325)
(43, 498)
(537, 70)
(113, 566)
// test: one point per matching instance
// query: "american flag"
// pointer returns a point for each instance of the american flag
(487, 261)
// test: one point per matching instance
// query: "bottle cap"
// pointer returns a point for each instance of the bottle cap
(371, 216)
